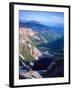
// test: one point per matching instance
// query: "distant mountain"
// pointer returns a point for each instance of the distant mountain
(34, 25)
(31, 23)
(46, 32)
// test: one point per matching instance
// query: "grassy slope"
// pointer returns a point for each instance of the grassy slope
(25, 52)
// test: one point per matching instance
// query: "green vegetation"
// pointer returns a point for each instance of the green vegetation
(25, 52)
(34, 42)
(50, 35)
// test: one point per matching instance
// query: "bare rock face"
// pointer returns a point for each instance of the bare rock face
(35, 52)
(27, 32)
(25, 72)
(31, 74)
(26, 49)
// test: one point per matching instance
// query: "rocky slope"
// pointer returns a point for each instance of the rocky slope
(28, 50)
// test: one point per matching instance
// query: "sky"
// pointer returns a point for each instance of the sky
(44, 17)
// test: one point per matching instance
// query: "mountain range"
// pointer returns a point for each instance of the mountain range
(41, 50)
(37, 39)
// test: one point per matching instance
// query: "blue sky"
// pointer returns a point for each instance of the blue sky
(44, 17)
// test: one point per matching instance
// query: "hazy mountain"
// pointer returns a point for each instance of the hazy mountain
(47, 32)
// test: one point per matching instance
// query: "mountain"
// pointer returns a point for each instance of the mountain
(33, 25)
(26, 72)
(45, 31)
(41, 51)
(27, 47)
(56, 46)
(27, 32)
(37, 40)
